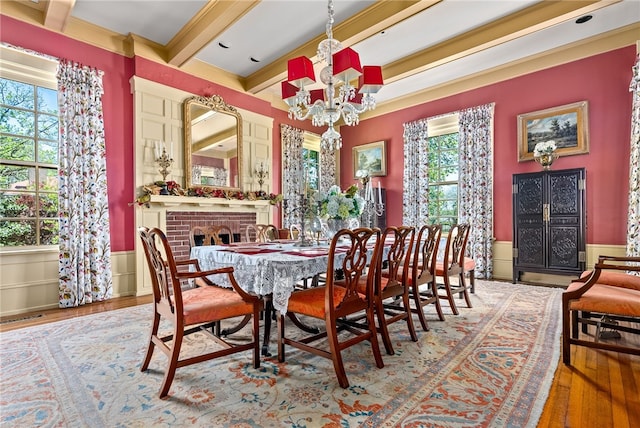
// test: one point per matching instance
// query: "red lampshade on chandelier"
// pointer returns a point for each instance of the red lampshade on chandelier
(325, 106)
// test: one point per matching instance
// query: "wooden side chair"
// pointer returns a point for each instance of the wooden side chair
(192, 310)
(420, 272)
(220, 232)
(391, 290)
(452, 265)
(261, 233)
(201, 235)
(335, 301)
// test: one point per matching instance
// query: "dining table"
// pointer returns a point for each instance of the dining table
(271, 270)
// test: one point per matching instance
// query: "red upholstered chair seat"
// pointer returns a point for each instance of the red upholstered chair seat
(204, 304)
(607, 299)
(618, 279)
(310, 301)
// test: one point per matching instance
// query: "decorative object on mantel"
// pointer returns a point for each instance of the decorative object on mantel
(174, 189)
(261, 173)
(545, 154)
(324, 106)
(163, 159)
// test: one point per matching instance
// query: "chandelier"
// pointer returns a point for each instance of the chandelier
(339, 99)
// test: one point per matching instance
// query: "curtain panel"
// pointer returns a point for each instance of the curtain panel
(85, 249)
(633, 218)
(415, 181)
(291, 140)
(475, 184)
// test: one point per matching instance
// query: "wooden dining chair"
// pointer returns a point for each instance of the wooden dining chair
(261, 233)
(192, 310)
(201, 235)
(335, 301)
(420, 273)
(222, 234)
(452, 265)
(391, 290)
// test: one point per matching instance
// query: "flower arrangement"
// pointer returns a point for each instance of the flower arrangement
(174, 189)
(544, 148)
(340, 205)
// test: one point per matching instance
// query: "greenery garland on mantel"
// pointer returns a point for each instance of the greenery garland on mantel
(171, 188)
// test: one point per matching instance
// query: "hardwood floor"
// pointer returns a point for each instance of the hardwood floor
(601, 389)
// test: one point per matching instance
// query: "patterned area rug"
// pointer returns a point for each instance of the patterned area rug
(490, 366)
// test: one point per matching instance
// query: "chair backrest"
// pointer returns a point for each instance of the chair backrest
(219, 232)
(163, 270)
(402, 238)
(361, 261)
(425, 254)
(456, 244)
(201, 235)
(261, 233)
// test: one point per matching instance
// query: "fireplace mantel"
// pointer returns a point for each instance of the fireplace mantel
(195, 202)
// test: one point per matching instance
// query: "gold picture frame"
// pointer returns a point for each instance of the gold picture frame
(567, 125)
(370, 157)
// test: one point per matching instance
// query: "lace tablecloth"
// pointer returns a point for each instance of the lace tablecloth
(274, 271)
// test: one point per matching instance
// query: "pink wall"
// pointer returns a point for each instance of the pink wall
(602, 80)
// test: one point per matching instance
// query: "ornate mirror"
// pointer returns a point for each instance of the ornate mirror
(212, 143)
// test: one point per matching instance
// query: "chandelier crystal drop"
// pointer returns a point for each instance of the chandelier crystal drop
(339, 99)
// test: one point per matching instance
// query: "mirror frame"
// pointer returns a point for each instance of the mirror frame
(216, 103)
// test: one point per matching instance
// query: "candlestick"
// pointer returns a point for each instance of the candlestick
(261, 173)
(379, 192)
(164, 161)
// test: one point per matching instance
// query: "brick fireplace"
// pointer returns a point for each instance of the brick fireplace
(179, 223)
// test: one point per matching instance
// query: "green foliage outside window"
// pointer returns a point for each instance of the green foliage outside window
(443, 179)
(28, 165)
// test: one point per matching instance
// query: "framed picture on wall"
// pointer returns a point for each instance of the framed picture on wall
(370, 157)
(567, 125)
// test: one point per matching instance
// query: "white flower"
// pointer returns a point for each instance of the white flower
(340, 205)
(544, 148)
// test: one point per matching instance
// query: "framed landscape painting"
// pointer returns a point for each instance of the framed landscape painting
(567, 125)
(370, 157)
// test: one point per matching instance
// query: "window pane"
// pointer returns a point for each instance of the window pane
(49, 232)
(47, 127)
(19, 122)
(48, 205)
(450, 191)
(48, 178)
(17, 177)
(17, 205)
(14, 148)
(16, 94)
(14, 233)
(48, 152)
(48, 100)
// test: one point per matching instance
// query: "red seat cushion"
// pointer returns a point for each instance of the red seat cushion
(618, 279)
(469, 264)
(205, 304)
(607, 299)
(311, 301)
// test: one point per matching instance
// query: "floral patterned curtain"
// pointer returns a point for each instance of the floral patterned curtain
(85, 249)
(475, 148)
(292, 140)
(633, 220)
(415, 182)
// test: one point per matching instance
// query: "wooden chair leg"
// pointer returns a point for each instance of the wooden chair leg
(384, 330)
(417, 300)
(256, 339)
(449, 296)
(152, 346)
(375, 347)
(434, 288)
(173, 362)
(281, 337)
(407, 308)
(336, 355)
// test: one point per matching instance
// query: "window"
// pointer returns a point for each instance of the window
(443, 170)
(28, 163)
(311, 160)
